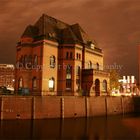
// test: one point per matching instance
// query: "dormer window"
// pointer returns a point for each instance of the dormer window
(92, 45)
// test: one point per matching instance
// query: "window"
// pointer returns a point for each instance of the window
(35, 60)
(78, 76)
(79, 56)
(71, 55)
(67, 55)
(51, 84)
(104, 86)
(29, 59)
(20, 82)
(34, 82)
(52, 61)
(68, 77)
(97, 64)
(25, 59)
(89, 65)
(78, 70)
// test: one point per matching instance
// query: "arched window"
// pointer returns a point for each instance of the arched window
(97, 87)
(29, 59)
(25, 59)
(78, 76)
(52, 61)
(51, 84)
(20, 82)
(34, 83)
(104, 86)
(89, 65)
(97, 66)
(78, 70)
(68, 77)
(35, 61)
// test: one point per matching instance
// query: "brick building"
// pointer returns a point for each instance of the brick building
(7, 75)
(55, 58)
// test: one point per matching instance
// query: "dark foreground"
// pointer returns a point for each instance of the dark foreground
(97, 128)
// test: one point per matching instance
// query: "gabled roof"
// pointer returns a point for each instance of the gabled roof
(54, 29)
(80, 33)
(30, 31)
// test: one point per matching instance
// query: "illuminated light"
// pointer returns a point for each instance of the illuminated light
(92, 46)
(128, 79)
(132, 79)
(51, 83)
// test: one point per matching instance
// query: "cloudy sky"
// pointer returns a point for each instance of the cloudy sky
(114, 24)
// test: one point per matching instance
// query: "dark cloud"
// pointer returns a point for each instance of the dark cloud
(114, 24)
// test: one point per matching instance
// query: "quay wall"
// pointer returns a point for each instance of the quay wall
(43, 107)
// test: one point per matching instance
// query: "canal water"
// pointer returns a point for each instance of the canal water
(97, 128)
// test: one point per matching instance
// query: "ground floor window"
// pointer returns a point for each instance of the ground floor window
(104, 86)
(97, 87)
(68, 77)
(20, 82)
(51, 84)
(34, 82)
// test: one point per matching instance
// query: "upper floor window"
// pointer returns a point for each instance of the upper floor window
(78, 56)
(25, 59)
(67, 55)
(71, 55)
(68, 72)
(52, 61)
(78, 70)
(90, 65)
(29, 59)
(97, 66)
(35, 61)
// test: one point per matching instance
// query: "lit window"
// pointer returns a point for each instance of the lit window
(68, 77)
(52, 61)
(51, 84)
(104, 85)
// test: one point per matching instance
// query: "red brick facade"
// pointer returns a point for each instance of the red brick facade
(53, 56)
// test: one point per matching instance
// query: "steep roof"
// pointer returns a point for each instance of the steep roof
(54, 29)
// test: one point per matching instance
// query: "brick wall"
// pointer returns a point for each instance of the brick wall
(43, 107)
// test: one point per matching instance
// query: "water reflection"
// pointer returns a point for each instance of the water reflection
(100, 128)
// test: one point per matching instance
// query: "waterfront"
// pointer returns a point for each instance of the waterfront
(96, 128)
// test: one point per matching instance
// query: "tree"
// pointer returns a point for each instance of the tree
(114, 77)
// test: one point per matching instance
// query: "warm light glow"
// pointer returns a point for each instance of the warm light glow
(51, 83)
(132, 79)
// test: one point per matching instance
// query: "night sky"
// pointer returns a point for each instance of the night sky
(114, 24)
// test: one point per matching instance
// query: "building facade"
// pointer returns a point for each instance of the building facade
(7, 75)
(55, 58)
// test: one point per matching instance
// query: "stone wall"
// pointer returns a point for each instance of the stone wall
(43, 107)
